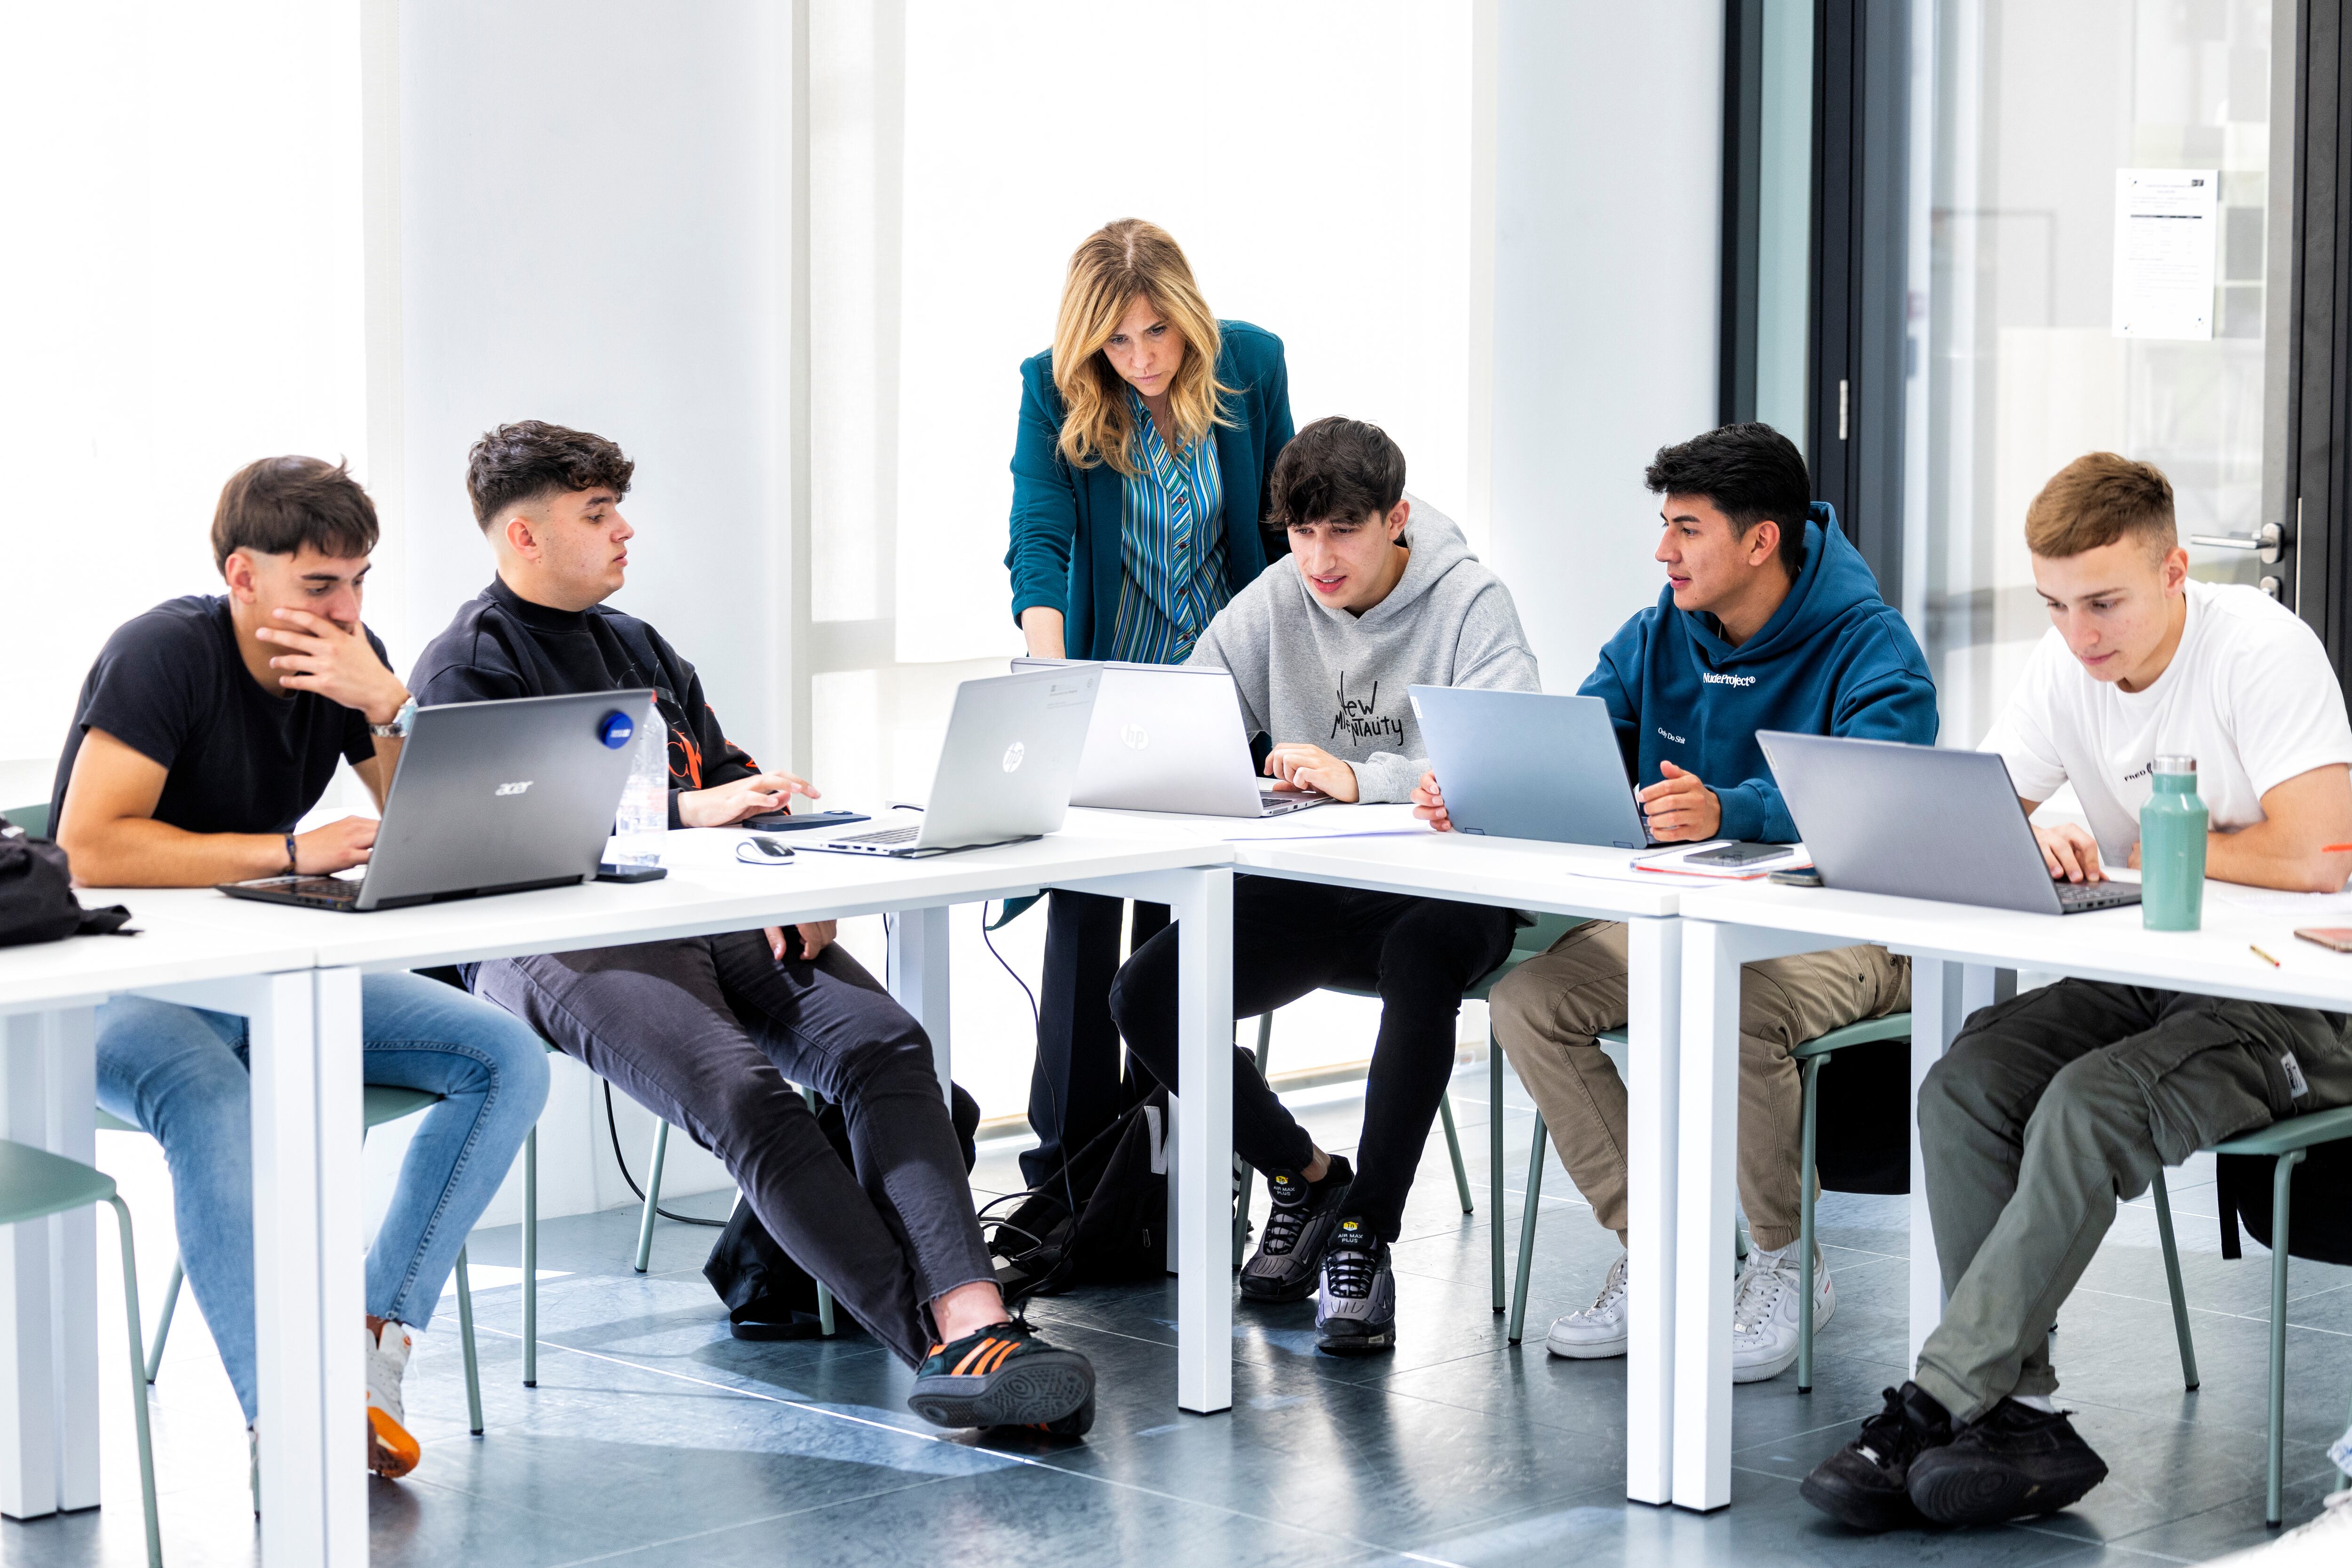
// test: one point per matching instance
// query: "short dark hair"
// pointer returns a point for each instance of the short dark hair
(1747, 472)
(531, 458)
(1337, 468)
(280, 504)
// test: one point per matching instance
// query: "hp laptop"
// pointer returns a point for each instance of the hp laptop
(490, 798)
(1526, 765)
(1170, 738)
(1004, 771)
(1923, 823)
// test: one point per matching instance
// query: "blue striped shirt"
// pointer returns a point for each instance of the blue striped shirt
(1171, 547)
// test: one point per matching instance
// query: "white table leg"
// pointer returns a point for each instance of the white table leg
(1203, 1143)
(1653, 1030)
(48, 1276)
(1943, 994)
(919, 979)
(1707, 1151)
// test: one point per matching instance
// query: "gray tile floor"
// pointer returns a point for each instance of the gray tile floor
(655, 1438)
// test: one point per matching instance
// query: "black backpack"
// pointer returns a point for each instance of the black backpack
(1120, 1232)
(37, 901)
(2320, 1216)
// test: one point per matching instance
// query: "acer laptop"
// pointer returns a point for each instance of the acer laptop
(1004, 771)
(1168, 736)
(489, 798)
(1922, 822)
(1528, 764)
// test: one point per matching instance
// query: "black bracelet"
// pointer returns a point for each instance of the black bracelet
(291, 869)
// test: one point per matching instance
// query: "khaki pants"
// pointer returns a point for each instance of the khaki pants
(1547, 1011)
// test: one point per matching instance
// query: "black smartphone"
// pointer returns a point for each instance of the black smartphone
(779, 822)
(1741, 855)
(608, 872)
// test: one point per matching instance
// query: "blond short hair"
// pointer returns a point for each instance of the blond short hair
(1119, 263)
(2097, 499)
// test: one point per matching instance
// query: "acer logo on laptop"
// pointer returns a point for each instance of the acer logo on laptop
(515, 788)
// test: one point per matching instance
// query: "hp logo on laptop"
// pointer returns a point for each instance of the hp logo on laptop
(1135, 738)
(515, 788)
(1012, 755)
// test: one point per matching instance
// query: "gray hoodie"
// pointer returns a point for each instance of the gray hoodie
(1338, 681)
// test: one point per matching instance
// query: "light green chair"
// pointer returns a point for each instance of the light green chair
(2287, 1141)
(380, 1103)
(33, 819)
(1812, 1056)
(34, 1184)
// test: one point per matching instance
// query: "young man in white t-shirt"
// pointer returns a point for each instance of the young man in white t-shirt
(2053, 1106)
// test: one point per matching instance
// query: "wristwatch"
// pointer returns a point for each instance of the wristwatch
(398, 728)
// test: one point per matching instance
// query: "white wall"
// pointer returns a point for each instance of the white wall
(1608, 207)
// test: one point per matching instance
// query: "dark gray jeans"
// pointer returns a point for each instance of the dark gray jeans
(2055, 1105)
(711, 1034)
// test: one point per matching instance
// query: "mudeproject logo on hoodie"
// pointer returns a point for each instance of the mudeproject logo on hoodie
(1360, 717)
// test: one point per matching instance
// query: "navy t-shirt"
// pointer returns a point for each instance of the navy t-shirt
(171, 686)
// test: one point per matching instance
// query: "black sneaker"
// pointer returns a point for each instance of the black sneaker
(2012, 1462)
(1355, 1312)
(1864, 1484)
(1282, 1267)
(1077, 1424)
(1002, 1376)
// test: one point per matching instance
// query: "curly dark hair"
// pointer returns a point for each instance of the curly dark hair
(1336, 469)
(1750, 472)
(531, 458)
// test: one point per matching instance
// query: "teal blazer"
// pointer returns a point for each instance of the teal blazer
(1065, 521)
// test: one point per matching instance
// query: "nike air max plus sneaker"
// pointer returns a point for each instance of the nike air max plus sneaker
(1355, 1311)
(1005, 1376)
(1297, 1231)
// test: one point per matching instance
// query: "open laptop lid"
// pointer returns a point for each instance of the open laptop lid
(1011, 754)
(1164, 737)
(1921, 822)
(491, 796)
(1528, 764)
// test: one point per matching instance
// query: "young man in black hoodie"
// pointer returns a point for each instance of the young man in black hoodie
(710, 1033)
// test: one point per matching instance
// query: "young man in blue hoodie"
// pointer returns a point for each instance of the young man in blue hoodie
(1770, 620)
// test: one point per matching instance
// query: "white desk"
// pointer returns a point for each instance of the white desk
(295, 974)
(1963, 958)
(1550, 879)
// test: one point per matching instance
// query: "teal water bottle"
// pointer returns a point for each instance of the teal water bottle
(2172, 848)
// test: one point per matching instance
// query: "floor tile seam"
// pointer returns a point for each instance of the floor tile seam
(750, 1523)
(2044, 1532)
(2262, 1490)
(2214, 1312)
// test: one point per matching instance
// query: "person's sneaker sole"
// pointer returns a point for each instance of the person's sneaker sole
(1345, 1339)
(1955, 1492)
(391, 1452)
(1762, 1371)
(1585, 1350)
(1256, 1287)
(1869, 1509)
(1034, 1389)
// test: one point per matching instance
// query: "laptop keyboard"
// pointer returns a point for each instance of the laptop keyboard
(2074, 897)
(885, 837)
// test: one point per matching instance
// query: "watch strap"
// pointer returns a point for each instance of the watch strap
(291, 868)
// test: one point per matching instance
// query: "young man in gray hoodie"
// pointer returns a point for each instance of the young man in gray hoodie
(1378, 594)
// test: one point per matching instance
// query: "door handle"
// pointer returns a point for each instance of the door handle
(2268, 544)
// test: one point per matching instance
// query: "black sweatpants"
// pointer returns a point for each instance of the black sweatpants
(1078, 1088)
(712, 1033)
(1291, 937)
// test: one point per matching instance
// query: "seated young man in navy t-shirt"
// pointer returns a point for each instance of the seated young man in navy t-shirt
(207, 727)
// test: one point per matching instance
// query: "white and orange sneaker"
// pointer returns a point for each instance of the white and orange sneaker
(391, 1451)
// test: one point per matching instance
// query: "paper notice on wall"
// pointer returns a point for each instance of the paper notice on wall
(2166, 224)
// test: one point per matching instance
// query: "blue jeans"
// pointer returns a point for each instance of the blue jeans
(181, 1074)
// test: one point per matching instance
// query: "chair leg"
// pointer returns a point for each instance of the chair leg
(1494, 1161)
(1242, 1175)
(1454, 1147)
(530, 1258)
(139, 1389)
(823, 1295)
(2172, 1279)
(653, 1196)
(1527, 1228)
(466, 1343)
(164, 1323)
(2282, 1186)
(1809, 1194)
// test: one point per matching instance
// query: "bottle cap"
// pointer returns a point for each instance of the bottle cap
(2175, 764)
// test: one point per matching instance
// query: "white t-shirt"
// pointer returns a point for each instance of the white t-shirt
(2249, 694)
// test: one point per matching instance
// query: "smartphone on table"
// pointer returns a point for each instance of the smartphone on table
(782, 822)
(1736, 854)
(2336, 939)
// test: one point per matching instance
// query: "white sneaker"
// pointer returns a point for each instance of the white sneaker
(390, 1450)
(1764, 1313)
(1597, 1332)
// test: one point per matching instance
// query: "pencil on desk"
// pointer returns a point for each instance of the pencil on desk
(2265, 957)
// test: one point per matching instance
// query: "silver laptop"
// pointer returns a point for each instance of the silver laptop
(490, 798)
(1166, 737)
(1922, 822)
(1004, 771)
(1528, 764)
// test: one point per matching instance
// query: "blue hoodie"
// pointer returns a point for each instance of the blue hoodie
(1834, 660)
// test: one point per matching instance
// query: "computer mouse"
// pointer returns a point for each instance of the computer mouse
(768, 848)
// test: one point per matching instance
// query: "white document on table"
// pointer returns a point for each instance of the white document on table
(2165, 225)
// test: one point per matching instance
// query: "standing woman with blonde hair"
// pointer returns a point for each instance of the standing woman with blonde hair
(1148, 437)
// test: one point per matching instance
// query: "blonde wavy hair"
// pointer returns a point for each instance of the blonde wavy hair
(1116, 264)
